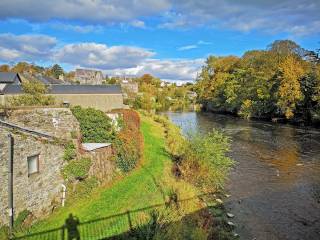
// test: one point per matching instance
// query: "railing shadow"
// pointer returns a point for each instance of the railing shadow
(110, 227)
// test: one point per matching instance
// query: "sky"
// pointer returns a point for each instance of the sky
(169, 39)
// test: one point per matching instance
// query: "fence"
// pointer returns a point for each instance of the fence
(102, 228)
(110, 227)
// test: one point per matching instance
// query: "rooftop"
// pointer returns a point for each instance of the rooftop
(9, 77)
(94, 146)
(70, 89)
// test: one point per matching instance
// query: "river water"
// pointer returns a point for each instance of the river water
(275, 183)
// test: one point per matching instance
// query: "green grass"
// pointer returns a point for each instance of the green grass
(141, 188)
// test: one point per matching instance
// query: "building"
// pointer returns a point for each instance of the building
(103, 97)
(87, 76)
(7, 78)
(37, 159)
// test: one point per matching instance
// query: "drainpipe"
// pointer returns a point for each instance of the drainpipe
(63, 198)
(10, 184)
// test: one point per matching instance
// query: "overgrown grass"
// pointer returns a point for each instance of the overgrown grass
(147, 185)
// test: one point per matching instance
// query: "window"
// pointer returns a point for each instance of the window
(33, 164)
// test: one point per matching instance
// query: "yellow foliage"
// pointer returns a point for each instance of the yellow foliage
(289, 90)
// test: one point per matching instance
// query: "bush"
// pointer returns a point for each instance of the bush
(129, 141)
(34, 95)
(69, 152)
(95, 125)
(77, 169)
(204, 161)
(22, 216)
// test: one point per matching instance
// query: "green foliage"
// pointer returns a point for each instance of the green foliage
(69, 152)
(278, 82)
(204, 161)
(95, 125)
(129, 142)
(77, 169)
(82, 189)
(35, 95)
(19, 220)
(56, 70)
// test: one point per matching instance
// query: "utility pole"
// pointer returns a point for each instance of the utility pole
(10, 184)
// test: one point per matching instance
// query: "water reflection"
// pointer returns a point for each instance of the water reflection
(275, 185)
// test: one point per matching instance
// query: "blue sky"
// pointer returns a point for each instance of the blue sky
(167, 38)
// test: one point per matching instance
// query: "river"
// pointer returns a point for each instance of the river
(275, 183)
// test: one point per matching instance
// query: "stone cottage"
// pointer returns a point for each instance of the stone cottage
(87, 76)
(37, 159)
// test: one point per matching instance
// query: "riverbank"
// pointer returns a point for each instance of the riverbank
(274, 185)
(150, 186)
(282, 120)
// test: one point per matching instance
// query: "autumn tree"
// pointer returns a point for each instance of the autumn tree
(289, 93)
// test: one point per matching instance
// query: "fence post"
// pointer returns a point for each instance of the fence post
(62, 233)
(129, 220)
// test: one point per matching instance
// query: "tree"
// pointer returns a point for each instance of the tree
(56, 71)
(4, 68)
(289, 92)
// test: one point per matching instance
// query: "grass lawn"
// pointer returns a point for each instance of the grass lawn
(145, 186)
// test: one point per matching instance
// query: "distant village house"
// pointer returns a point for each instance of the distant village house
(87, 76)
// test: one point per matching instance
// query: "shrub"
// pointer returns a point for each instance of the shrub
(129, 141)
(22, 216)
(69, 152)
(77, 169)
(95, 125)
(129, 147)
(204, 161)
(34, 95)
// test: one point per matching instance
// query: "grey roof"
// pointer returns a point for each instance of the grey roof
(70, 89)
(9, 77)
(49, 80)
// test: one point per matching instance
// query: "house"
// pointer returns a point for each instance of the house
(103, 97)
(39, 134)
(87, 76)
(7, 78)
(37, 159)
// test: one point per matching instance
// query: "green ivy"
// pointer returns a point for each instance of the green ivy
(77, 169)
(69, 152)
(95, 125)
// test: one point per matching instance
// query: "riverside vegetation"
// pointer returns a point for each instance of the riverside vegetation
(163, 174)
(282, 81)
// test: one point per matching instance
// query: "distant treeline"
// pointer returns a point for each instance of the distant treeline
(282, 81)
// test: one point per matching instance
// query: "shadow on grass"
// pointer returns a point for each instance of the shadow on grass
(143, 223)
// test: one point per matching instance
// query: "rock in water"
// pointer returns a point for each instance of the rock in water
(231, 223)
(230, 215)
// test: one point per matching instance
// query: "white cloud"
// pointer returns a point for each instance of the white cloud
(187, 47)
(138, 24)
(98, 11)
(267, 15)
(94, 55)
(26, 47)
(74, 28)
(201, 42)
(169, 69)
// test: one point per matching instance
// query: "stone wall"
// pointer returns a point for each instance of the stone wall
(58, 122)
(103, 165)
(38, 192)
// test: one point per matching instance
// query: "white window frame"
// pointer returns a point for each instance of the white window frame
(37, 162)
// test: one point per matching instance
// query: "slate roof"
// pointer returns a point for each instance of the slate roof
(94, 146)
(9, 77)
(49, 80)
(70, 89)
